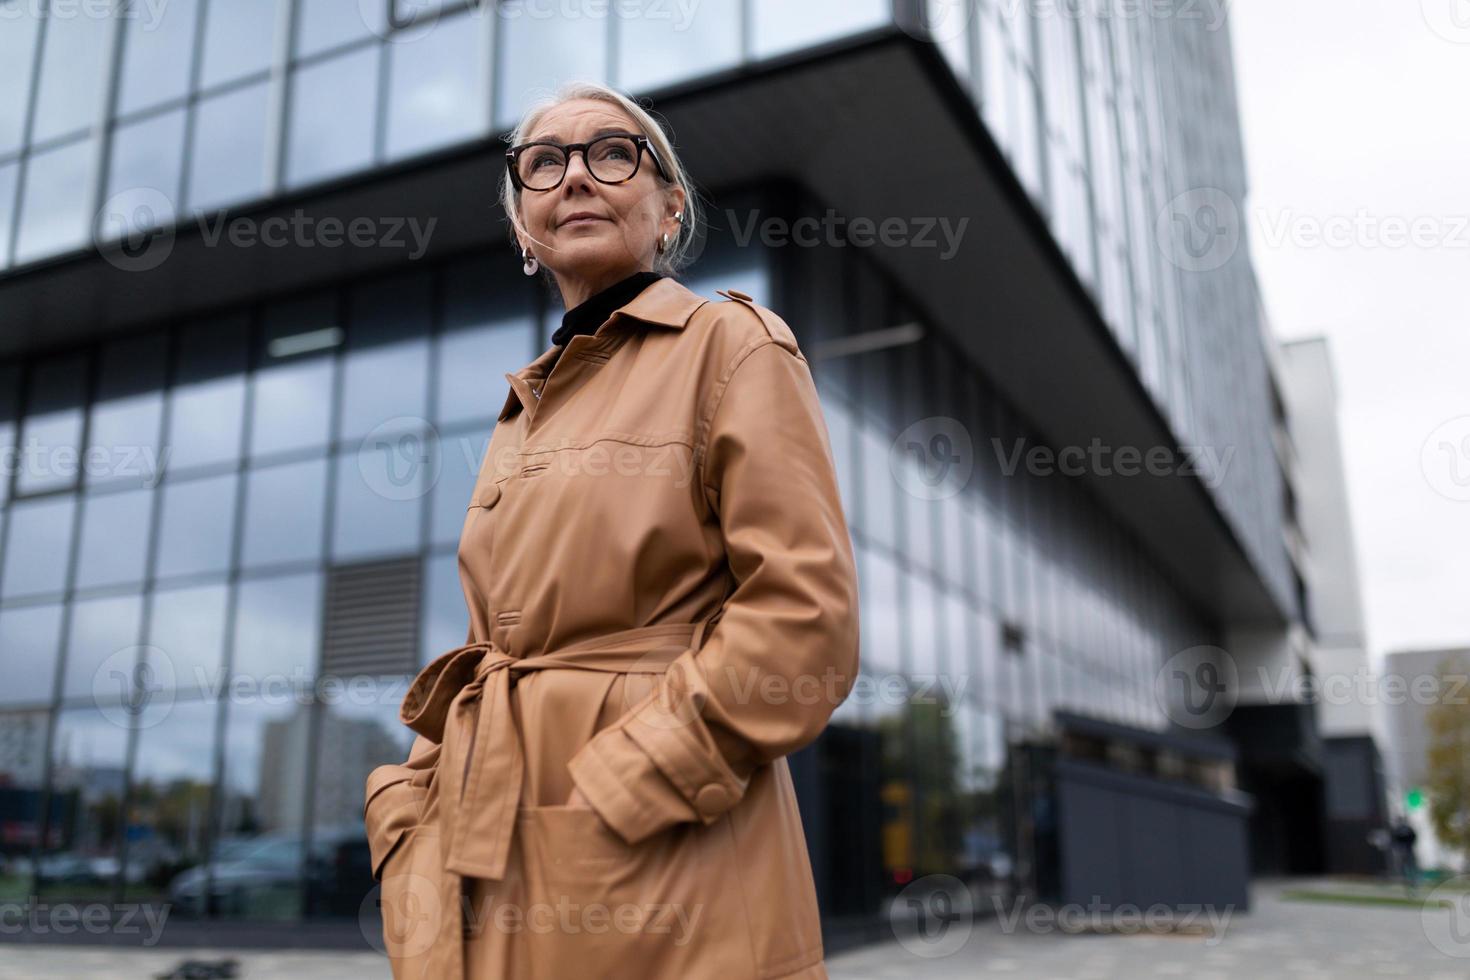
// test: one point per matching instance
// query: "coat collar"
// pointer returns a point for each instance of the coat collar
(666, 303)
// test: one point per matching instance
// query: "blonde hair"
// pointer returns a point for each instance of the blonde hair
(671, 259)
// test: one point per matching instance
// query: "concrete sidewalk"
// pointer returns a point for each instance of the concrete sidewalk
(1279, 937)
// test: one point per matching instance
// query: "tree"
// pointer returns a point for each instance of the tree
(1448, 759)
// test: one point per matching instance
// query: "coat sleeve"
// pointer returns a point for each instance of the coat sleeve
(784, 652)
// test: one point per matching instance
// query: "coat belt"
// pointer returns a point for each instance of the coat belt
(462, 700)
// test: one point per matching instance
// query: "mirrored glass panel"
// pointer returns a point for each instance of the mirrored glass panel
(434, 94)
(540, 50)
(51, 432)
(333, 117)
(115, 534)
(127, 412)
(73, 72)
(284, 513)
(293, 375)
(37, 547)
(207, 415)
(239, 38)
(198, 521)
(18, 45)
(53, 216)
(186, 638)
(782, 26)
(30, 645)
(158, 53)
(147, 166)
(228, 155)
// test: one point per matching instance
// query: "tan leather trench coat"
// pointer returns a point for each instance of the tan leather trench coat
(663, 605)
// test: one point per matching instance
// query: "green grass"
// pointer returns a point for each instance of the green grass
(1361, 898)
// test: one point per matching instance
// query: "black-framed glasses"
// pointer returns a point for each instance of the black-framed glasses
(611, 159)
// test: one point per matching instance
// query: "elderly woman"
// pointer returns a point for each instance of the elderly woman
(663, 605)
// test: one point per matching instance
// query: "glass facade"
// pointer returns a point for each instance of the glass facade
(188, 499)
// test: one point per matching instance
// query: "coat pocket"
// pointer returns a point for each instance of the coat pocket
(664, 906)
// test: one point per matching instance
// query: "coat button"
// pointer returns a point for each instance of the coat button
(489, 495)
(712, 800)
(737, 294)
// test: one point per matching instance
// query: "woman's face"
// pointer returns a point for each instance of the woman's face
(628, 219)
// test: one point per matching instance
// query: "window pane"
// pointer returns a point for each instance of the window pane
(115, 530)
(460, 456)
(238, 39)
(879, 629)
(435, 97)
(9, 176)
(323, 24)
(30, 645)
(187, 628)
(784, 26)
(128, 412)
(538, 52)
(198, 517)
(23, 760)
(9, 409)
(37, 547)
(380, 493)
(385, 379)
(51, 435)
(877, 512)
(147, 165)
(173, 779)
(158, 51)
(446, 618)
(283, 513)
(333, 110)
(293, 381)
(659, 46)
(101, 649)
(208, 412)
(276, 639)
(17, 62)
(74, 55)
(228, 161)
(490, 329)
(88, 756)
(53, 215)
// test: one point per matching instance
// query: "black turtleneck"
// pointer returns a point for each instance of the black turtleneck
(593, 312)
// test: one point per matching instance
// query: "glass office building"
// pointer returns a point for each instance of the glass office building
(236, 470)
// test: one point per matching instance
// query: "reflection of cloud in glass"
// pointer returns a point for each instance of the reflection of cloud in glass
(179, 747)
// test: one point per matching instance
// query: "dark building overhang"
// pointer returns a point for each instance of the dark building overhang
(877, 127)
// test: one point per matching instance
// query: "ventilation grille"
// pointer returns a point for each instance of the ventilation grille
(372, 618)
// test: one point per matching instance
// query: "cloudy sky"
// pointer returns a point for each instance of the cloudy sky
(1358, 140)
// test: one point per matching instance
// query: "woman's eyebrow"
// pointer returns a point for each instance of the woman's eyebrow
(604, 131)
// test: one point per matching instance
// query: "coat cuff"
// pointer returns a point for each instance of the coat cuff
(656, 767)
